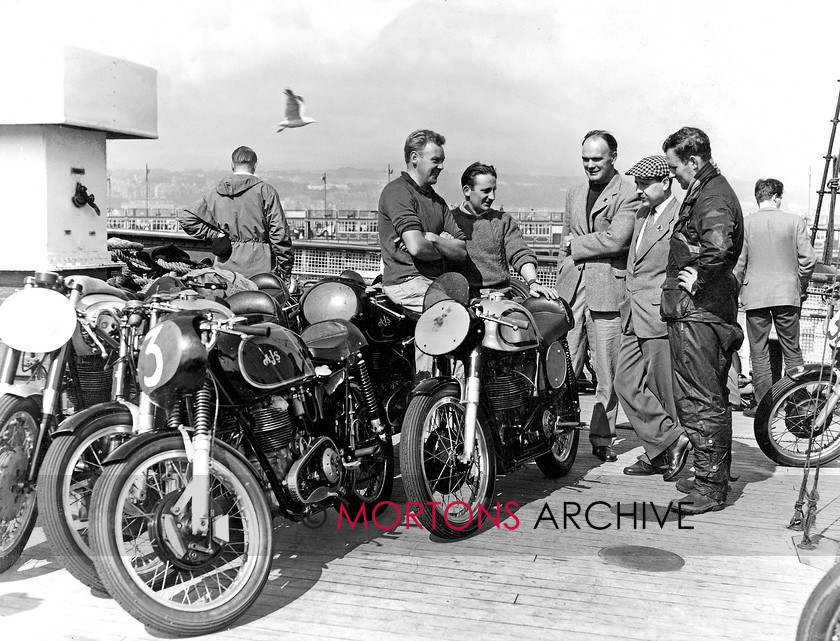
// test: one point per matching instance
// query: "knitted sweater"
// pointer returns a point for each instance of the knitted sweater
(494, 242)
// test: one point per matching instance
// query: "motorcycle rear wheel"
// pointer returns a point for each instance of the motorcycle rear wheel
(785, 417)
(559, 461)
(20, 420)
(432, 437)
(820, 619)
(192, 590)
(72, 466)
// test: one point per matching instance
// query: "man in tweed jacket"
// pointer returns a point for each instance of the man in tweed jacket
(597, 227)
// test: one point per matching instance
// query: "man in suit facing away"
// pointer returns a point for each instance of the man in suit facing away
(597, 226)
(773, 271)
(644, 377)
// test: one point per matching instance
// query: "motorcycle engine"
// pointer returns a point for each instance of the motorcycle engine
(310, 466)
(508, 379)
(274, 433)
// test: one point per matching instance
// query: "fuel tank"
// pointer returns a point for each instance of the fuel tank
(259, 365)
(502, 337)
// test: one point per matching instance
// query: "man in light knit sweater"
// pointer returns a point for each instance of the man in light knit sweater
(494, 240)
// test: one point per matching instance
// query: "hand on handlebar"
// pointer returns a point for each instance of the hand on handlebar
(537, 290)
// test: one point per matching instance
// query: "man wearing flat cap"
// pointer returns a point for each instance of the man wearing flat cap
(644, 375)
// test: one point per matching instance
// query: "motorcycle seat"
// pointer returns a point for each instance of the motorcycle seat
(254, 303)
(553, 317)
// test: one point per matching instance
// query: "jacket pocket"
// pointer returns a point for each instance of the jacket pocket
(674, 305)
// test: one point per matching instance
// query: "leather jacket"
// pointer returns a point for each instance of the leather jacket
(708, 236)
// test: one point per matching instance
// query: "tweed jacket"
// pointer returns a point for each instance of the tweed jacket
(776, 261)
(646, 273)
(598, 253)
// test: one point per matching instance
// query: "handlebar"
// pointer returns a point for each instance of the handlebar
(251, 330)
(386, 309)
(234, 326)
(192, 282)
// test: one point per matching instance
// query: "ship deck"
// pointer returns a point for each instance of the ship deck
(737, 573)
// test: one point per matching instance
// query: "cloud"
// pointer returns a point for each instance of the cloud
(513, 84)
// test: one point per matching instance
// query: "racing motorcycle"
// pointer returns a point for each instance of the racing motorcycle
(515, 400)
(259, 419)
(58, 341)
(388, 330)
(81, 442)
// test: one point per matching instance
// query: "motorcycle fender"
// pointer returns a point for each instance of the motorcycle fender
(71, 424)
(798, 373)
(23, 390)
(139, 442)
(430, 386)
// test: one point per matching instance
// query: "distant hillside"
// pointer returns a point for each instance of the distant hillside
(347, 188)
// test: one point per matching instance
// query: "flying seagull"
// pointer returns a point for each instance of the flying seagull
(295, 109)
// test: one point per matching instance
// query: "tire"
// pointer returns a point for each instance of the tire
(373, 480)
(559, 461)
(432, 434)
(820, 620)
(784, 419)
(20, 420)
(129, 536)
(68, 473)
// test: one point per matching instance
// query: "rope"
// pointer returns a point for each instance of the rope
(121, 243)
(178, 268)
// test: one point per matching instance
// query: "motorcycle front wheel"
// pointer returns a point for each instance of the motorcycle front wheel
(784, 421)
(70, 469)
(149, 560)
(820, 619)
(432, 439)
(20, 419)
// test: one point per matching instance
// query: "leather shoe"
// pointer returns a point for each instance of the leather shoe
(685, 485)
(643, 468)
(749, 412)
(677, 456)
(696, 503)
(605, 453)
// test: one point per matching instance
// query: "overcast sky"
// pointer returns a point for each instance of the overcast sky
(513, 84)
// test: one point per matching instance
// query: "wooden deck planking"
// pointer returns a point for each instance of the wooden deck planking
(741, 564)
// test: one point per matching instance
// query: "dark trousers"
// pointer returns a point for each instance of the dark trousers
(759, 322)
(701, 354)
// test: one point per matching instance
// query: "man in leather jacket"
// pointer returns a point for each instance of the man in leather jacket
(700, 304)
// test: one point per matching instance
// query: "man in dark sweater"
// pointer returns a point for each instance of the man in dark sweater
(416, 231)
(494, 240)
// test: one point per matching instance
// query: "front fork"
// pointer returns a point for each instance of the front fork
(51, 393)
(472, 393)
(198, 450)
(49, 405)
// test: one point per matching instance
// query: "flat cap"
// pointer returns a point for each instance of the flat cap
(650, 167)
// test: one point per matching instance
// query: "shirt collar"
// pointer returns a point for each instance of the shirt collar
(661, 206)
(463, 208)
